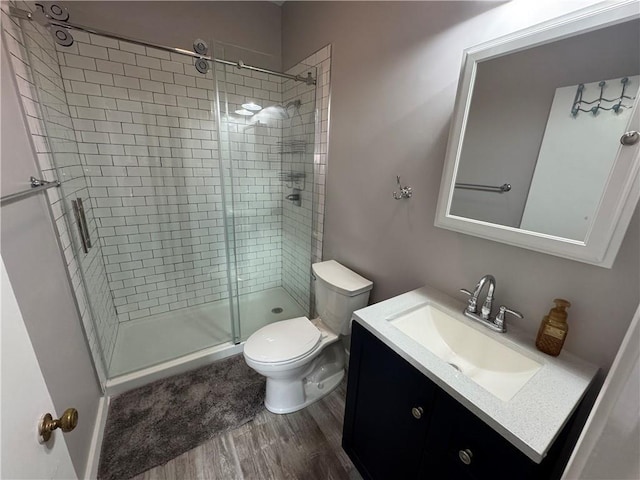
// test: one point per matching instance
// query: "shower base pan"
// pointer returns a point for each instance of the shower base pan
(170, 343)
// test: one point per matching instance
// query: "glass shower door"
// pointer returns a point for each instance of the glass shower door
(172, 293)
(132, 136)
(267, 126)
(51, 126)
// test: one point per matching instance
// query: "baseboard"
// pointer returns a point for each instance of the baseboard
(96, 439)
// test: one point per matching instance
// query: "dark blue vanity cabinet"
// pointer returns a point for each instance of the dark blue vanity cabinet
(387, 416)
(400, 425)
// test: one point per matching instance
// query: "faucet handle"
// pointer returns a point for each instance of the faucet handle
(504, 310)
(501, 313)
(473, 301)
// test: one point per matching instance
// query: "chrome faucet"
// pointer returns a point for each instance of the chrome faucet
(488, 302)
(498, 323)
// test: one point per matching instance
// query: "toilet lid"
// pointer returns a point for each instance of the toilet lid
(282, 341)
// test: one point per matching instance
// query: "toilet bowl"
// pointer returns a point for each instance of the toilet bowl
(303, 360)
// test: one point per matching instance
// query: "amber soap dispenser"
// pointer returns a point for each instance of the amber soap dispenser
(553, 329)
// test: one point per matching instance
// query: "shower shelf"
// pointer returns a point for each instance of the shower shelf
(292, 146)
(292, 176)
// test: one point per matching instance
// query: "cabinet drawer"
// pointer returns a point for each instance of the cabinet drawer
(461, 446)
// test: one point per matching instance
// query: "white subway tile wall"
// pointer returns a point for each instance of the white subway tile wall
(135, 137)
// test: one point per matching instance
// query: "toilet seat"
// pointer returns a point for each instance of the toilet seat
(283, 342)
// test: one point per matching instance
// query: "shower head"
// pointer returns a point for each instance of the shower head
(272, 112)
(294, 103)
(278, 112)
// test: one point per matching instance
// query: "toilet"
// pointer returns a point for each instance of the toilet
(304, 359)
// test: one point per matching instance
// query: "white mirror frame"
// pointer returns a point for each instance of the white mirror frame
(622, 189)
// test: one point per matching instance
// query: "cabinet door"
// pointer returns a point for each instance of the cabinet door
(387, 410)
(461, 446)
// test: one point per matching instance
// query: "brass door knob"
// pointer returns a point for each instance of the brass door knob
(67, 422)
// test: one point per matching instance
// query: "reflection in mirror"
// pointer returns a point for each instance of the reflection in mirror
(547, 121)
(576, 156)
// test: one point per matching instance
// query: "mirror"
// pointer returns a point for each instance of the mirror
(536, 156)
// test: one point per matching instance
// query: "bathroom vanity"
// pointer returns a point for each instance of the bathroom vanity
(416, 410)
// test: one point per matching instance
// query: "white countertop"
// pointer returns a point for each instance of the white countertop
(534, 417)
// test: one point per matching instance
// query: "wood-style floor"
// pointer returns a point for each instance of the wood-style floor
(301, 445)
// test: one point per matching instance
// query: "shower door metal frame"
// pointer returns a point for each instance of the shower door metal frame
(226, 183)
(26, 15)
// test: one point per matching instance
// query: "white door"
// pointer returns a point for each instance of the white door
(24, 400)
(609, 444)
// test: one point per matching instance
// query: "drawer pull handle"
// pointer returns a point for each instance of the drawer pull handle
(465, 456)
(417, 412)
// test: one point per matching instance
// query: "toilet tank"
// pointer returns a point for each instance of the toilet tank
(339, 292)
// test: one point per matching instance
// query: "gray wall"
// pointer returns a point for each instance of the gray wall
(252, 25)
(395, 68)
(38, 276)
(511, 100)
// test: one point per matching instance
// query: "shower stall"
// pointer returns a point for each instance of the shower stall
(189, 209)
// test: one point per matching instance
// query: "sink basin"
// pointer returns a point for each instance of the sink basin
(494, 366)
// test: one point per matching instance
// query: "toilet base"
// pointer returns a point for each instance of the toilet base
(295, 385)
(313, 391)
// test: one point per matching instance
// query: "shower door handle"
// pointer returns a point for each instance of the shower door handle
(80, 224)
(85, 225)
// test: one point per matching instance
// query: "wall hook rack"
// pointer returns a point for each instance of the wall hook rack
(405, 192)
(617, 107)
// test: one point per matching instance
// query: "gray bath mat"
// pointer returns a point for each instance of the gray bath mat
(151, 425)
